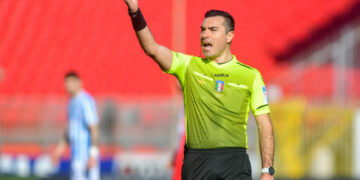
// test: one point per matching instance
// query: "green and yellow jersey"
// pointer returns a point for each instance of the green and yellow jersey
(217, 100)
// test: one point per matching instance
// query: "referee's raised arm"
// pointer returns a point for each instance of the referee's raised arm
(160, 54)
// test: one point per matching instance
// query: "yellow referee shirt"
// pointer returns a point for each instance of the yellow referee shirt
(217, 100)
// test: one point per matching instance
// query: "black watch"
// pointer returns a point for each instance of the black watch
(269, 170)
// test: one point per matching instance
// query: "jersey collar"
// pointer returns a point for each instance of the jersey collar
(222, 65)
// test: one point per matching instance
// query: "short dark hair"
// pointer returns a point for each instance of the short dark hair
(72, 74)
(229, 20)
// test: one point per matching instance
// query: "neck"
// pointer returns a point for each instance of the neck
(75, 93)
(224, 57)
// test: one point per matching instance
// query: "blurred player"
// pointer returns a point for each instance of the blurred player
(81, 133)
(218, 94)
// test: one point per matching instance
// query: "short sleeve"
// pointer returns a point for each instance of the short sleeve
(259, 102)
(178, 65)
(90, 113)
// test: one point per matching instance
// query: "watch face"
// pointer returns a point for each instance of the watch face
(271, 170)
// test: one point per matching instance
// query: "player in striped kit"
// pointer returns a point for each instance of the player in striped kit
(81, 132)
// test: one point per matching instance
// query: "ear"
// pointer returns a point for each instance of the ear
(229, 36)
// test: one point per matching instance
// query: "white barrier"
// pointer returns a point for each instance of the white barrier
(6, 164)
(20, 165)
(144, 165)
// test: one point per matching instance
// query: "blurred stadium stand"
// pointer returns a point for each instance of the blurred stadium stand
(308, 53)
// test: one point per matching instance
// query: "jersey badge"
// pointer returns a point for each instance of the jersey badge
(219, 85)
(265, 95)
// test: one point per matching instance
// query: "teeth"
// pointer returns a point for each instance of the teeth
(207, 46)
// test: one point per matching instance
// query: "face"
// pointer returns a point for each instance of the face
(72, 85)
(213, 36)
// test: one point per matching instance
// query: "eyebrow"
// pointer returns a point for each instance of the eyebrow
(211, 27)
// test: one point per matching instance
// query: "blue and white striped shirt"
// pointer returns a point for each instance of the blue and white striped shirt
(81, 114)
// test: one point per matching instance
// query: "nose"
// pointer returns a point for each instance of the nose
(205, 34)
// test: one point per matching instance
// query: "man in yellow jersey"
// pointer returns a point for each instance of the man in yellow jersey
(219, 92)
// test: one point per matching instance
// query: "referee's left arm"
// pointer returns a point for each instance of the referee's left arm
(266, 138)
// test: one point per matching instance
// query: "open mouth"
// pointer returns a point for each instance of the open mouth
(207, 46)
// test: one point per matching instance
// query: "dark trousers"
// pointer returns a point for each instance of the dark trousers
(216, 164)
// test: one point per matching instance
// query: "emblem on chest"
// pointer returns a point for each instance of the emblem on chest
(219, 85)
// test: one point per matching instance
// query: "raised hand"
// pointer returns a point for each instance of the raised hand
(133, 5)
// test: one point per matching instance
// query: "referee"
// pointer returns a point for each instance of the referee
(219, 93)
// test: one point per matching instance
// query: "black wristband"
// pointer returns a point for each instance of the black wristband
(137, 20)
